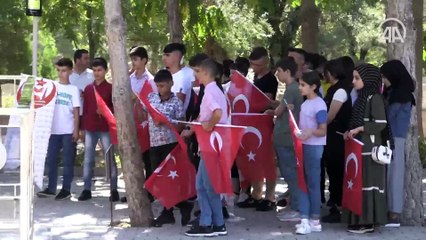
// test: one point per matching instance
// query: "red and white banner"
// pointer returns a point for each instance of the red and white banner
(245, 97)
(298, 153)
(352, 181)
(255, 158)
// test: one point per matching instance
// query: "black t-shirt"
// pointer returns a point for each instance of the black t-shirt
(267, 84)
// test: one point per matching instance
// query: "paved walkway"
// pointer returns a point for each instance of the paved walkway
(89, 220)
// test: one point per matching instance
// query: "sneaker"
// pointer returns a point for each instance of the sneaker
(193, 223)
(166, 217)
(200, 231)
(315, 225)
(85, 195)
(114, 196)
(248, 203)
(185, 210)
(265, 205)
(62, 195)
(361, 229)
(220, 230)
(333, 216)
(393, 221)
(304, 227)
(288, 216)
(45, 193)
(282, 202)
(225, 213)
(123, 199)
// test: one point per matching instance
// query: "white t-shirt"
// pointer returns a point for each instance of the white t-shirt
(137, 83)
(67, 99)
(81, 81)
(182, 83)
(340, 95)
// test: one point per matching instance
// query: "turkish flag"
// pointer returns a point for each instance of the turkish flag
(146, 90)
(245, 97)
(155, 114)
(142, 129)
(352, 181)
(298, 153)
(218, 151)
(255, 158)
(109, 117)
(174, 180)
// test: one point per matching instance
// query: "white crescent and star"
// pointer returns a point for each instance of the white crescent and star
(256, 132)
(251, 156)
(173, 175)
(216, 136)
(351, 157)
(241, 97)
(158, 169)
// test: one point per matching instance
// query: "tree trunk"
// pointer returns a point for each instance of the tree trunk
(89, 29)
(418, 7)
(175, 21)
(408, 54)
(310, 29)
(134, 177)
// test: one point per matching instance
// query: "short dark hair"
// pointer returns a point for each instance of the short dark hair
(299, 51)
(312, 78)
(64, 62)
(171, 47)
(100, 62)
(196, 60)
(210, 66)
(163, 76)
(79, 53)
(241, 64)
(227, 67)
(257, 53)
(139, 52)
(335, 68)
(288, 63)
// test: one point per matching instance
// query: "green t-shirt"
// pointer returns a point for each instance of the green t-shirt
(282, 132)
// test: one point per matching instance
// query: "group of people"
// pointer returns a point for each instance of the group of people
(331, 100)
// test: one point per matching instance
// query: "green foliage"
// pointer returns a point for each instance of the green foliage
(15, 28)
(47, 53)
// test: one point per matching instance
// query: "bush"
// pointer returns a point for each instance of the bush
(422, 151)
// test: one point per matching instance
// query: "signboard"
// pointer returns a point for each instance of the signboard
(34, 8)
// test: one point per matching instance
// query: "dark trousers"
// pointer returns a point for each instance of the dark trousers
(334, 161)
(158, 154)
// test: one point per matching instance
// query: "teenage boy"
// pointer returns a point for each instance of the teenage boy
(64, 133)
(267, 83)
(163, 140)
(96, 128)
(213, 110)
(283, 143)
(182, 76)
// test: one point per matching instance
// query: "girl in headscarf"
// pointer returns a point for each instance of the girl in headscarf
(368, 120)
(399, 88)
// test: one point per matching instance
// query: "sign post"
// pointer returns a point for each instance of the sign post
(34, 9)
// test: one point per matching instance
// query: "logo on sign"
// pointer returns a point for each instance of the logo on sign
(44, 93)
(393, 30)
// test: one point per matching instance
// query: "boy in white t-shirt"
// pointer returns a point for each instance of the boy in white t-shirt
(182, 76)
(64, 133)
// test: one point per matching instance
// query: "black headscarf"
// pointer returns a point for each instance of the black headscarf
(372, 80)
(402, 84)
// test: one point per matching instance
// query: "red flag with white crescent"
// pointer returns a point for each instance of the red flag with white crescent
(255, 158)
(174, 180)
(352, 181)
(245, 97)
(298, 153)
(218, 151)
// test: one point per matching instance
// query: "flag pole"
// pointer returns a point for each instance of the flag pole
(35, 44)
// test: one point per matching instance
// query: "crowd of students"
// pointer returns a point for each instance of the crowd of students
(331, 100)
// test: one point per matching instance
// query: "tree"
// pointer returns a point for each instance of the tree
(411, 14)
(134, 177)
(310, 29)
(174, 21)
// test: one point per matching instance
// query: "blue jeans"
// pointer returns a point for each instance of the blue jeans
(90, 142)
(310, 202)
(287, 166)
(209, 201)
(56, 143)
(399, 118)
